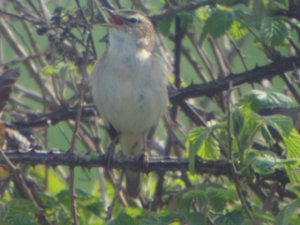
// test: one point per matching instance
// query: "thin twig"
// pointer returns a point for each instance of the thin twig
(235, 173)
(291, 87)
(74, 211)
(177, 61)
(112, 205)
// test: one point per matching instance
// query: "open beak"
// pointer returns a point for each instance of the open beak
(115, 19)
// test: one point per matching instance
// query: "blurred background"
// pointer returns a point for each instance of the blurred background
(232, 124)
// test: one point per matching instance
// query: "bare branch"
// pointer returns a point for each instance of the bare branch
(255, 75)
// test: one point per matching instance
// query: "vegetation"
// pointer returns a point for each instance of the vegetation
(226, 153)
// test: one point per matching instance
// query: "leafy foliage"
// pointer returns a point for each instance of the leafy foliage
(201, 143)
(217, 24)
(273, 31)
(258, 100)
(284, 216)
(252, 127)
(18, 211)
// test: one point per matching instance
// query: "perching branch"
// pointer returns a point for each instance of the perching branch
(195, 90)
(158, 164)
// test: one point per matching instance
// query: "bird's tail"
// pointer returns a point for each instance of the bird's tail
(133, 146)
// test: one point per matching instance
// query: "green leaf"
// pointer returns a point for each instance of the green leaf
(20, 211)
(188, 197)
(273, 31)
(292, 144)
(165, 24)
(231, 218)
(237, 31)
(284, 216)
(218, 198)
(50, 70)
(266, 164)
(266, 134)
(145, 217)
(196, 218)
(280, 123)
(245, 125)
(279, 5)
(123, 219)
(94, 207)
(64, 197)
(258, 100)
(187, 20)
(217, 24)
(134, 212)
(209, 149)
(201, 143)
(60, 69)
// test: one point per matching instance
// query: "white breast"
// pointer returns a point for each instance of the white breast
(131, 95)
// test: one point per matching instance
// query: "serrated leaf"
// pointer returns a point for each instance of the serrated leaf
(237, 31)
(258, 99)
(196, 218)
(250, 21)
(123, 219)
(218, 198)
(245, 125)
(187, 20)
(292, 144)
(279, 5)
(60, 69)
(217, 24)
(200, 142)
(164, 25)
(230, 218)
(209, 149)
(64, 197)
(50, 70)
(134, 212)
(160, 218)
(273, 31)
(284, 216)
(191, 194)
(266, 134)
(94, 207)
(282, 124)
(20, 211)
(265, 164)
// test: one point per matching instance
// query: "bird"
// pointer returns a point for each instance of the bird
(129, 85)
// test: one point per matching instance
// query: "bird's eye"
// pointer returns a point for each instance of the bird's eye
(132, 20)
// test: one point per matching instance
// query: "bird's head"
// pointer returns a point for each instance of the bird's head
(132, 26)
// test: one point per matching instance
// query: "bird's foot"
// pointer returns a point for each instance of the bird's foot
(144, 159)
(110, 154)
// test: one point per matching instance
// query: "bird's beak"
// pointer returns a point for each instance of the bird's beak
(115, 19)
